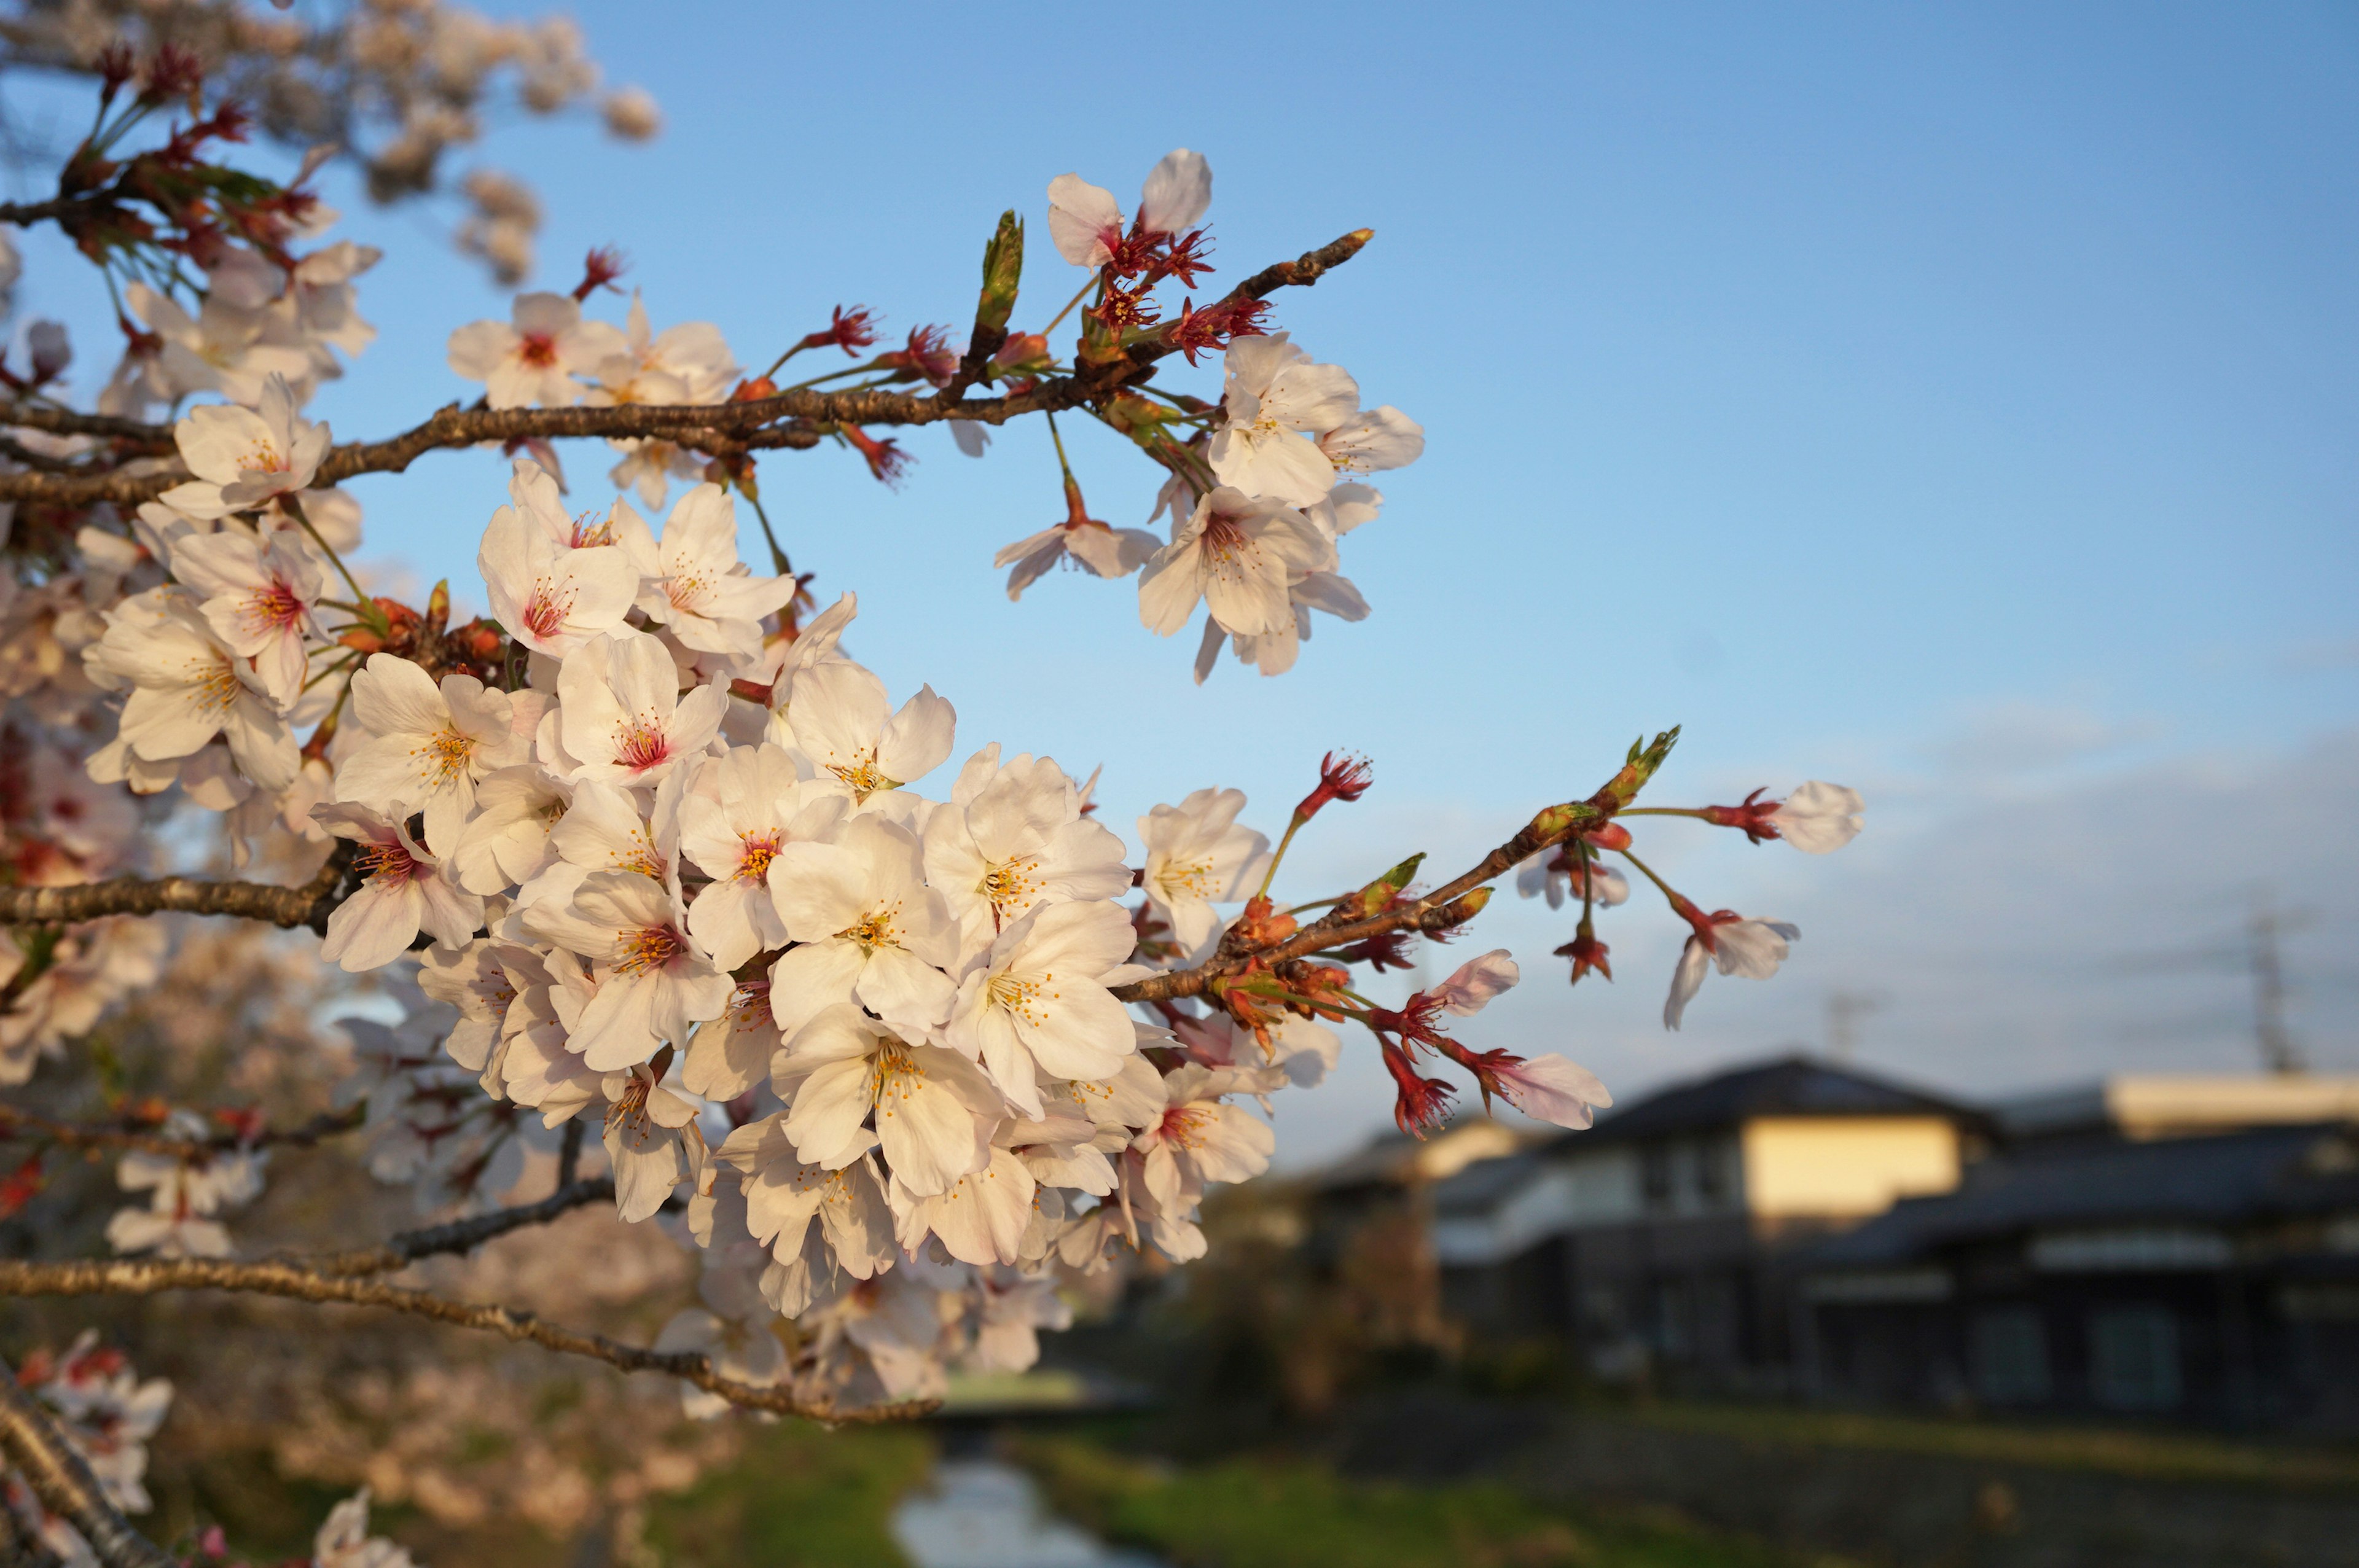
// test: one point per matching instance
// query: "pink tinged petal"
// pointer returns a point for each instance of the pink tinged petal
(818, 889)
(1695, 962)
(1178, 189)
(392, 696)
(450, 915)
(927, 1132)
(900, 988)
(646, 1169)
(811, 979)
(1169, 586)
(1476, 981)
(1080, 216)
(479, 347)
(1554, 1089)
(918, 739)
(830, 1106)
(374, 926)
(617, 1029)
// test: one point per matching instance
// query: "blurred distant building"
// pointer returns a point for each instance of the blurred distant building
(2177, 1245)
(1662, 1242)
(2183, 1246)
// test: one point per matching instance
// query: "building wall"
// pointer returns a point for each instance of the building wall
(1847, 1167)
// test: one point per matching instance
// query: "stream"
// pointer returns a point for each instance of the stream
(982, 1513)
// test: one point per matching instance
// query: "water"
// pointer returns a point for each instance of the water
(984, 1514)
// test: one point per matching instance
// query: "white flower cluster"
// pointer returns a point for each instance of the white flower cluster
(677, 879)
(402, 82)
(100, 1407)
(1258, 512)
(548, 355)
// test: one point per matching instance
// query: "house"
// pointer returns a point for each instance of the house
(1659, 1242)
(2211, 1276)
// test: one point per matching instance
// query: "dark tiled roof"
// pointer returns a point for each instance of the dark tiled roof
(2223, 1180)
(1791, 1086)
(1483, 1183)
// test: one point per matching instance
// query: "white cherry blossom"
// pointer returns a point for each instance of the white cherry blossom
(431, 745)
(1818, 818)
(1238, 554)
(403, 891)
(700, 589)
(186, 687)
(1201, 1138)
(785, 1193)
(745, 807)
(621, 716)
(1013, 837)
(1751, 949)
(932, 1109)
(841, 718)
(1197, 856)
(652, 984)
(551, 595)
(868, 927)
(644, 1123)
(981, 1217)
(259, 595)
(533, 357)
(1037, 1004)
(243, 457)
(1277, 395)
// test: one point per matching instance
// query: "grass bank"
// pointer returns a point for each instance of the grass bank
(1282, 1512)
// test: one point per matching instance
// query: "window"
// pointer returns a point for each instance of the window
(2009, 1355)
(1712, 1159)
(2134, 1357)
(1655, 1176)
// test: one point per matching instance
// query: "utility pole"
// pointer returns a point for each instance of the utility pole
(2279, 1053)
(1844, 1009)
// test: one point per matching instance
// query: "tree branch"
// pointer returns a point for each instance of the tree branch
(144, 1277)
(452, 426)
(310, 905)
(16, 1123)
(461, 1235)
(63, 1482)
(1435, 911)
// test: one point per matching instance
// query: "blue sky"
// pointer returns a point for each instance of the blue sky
(1957, 403)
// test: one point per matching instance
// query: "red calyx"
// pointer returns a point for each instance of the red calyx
(1197, 331)
(1420, 1105)
(175, 73)
(599, 270)
(928, 356)
(886, 459)
(1587, 953)
(851, 331)
(1346, 780)
(1753, 817)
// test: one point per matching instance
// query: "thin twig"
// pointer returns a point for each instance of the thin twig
(144, 1277)
(460, 1235)
(17, 1123)
(62, 1480)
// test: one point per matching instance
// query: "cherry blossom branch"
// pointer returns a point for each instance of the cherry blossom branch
(146, 1276)
(16, 1123)
(744, 422)
(310, 905)
(1444, 907)
(62, 1480)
